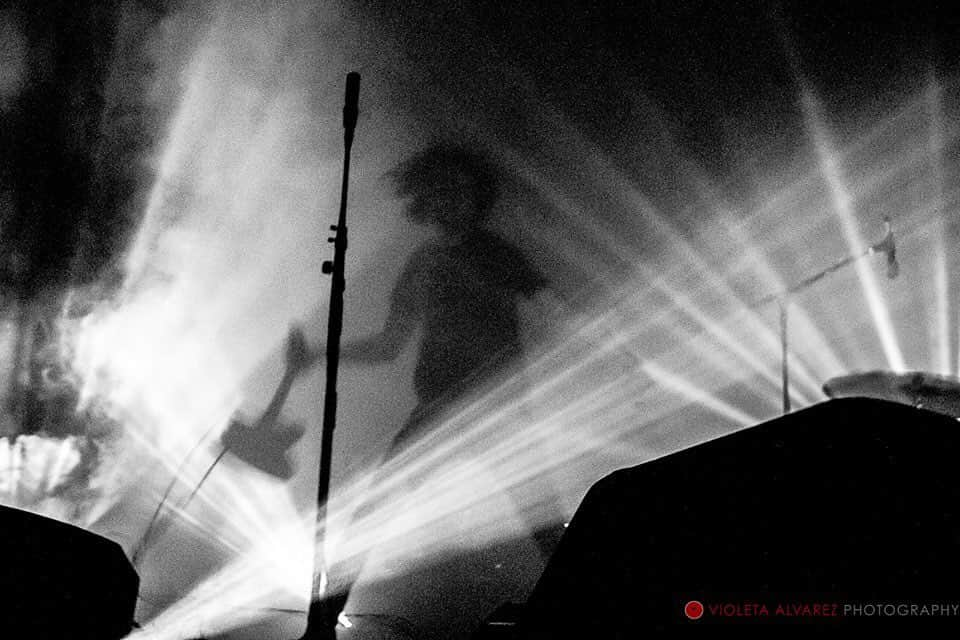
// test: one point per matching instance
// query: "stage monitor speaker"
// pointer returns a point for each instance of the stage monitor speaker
(843, 517)
(58, 581)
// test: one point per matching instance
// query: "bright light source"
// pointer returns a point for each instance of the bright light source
(322, 584)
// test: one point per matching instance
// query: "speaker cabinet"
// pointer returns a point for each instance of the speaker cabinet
(58, 581)
(842, 517)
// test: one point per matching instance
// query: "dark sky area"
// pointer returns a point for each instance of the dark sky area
(703, 61)
(717, 73)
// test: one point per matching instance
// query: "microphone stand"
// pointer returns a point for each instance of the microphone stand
(886, 245)
(321, 624)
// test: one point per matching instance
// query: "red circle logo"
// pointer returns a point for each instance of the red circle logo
(694, 610)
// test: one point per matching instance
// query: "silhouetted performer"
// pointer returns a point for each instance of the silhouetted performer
(461, 287)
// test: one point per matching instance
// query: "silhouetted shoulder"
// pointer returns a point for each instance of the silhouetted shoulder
(507, 264)
(411, 291)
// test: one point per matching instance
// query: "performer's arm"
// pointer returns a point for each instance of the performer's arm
(406, 305)
(382, 346)
(379, 347)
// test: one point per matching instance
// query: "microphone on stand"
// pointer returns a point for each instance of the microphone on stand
(351, 104)
(888, 246)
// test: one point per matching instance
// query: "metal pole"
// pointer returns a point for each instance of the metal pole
(321, 624)
(886, 245)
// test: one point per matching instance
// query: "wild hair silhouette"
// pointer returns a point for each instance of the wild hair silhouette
(442, 165)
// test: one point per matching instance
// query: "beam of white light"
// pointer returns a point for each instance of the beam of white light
(210, 282)
(234, 509)
(940, 340)
(35, 473)
(761, 357)
(241, 591)
(719, 324)
(268, 550)
(759, 266)
(651, 282)
(223, 261)
(696, 394)
(225, 222)
(873, 158)
(802, 327)
(751, 252)
(899, 150)
(549, 430)
(842, 200)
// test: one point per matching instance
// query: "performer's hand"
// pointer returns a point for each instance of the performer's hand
(299, 356)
